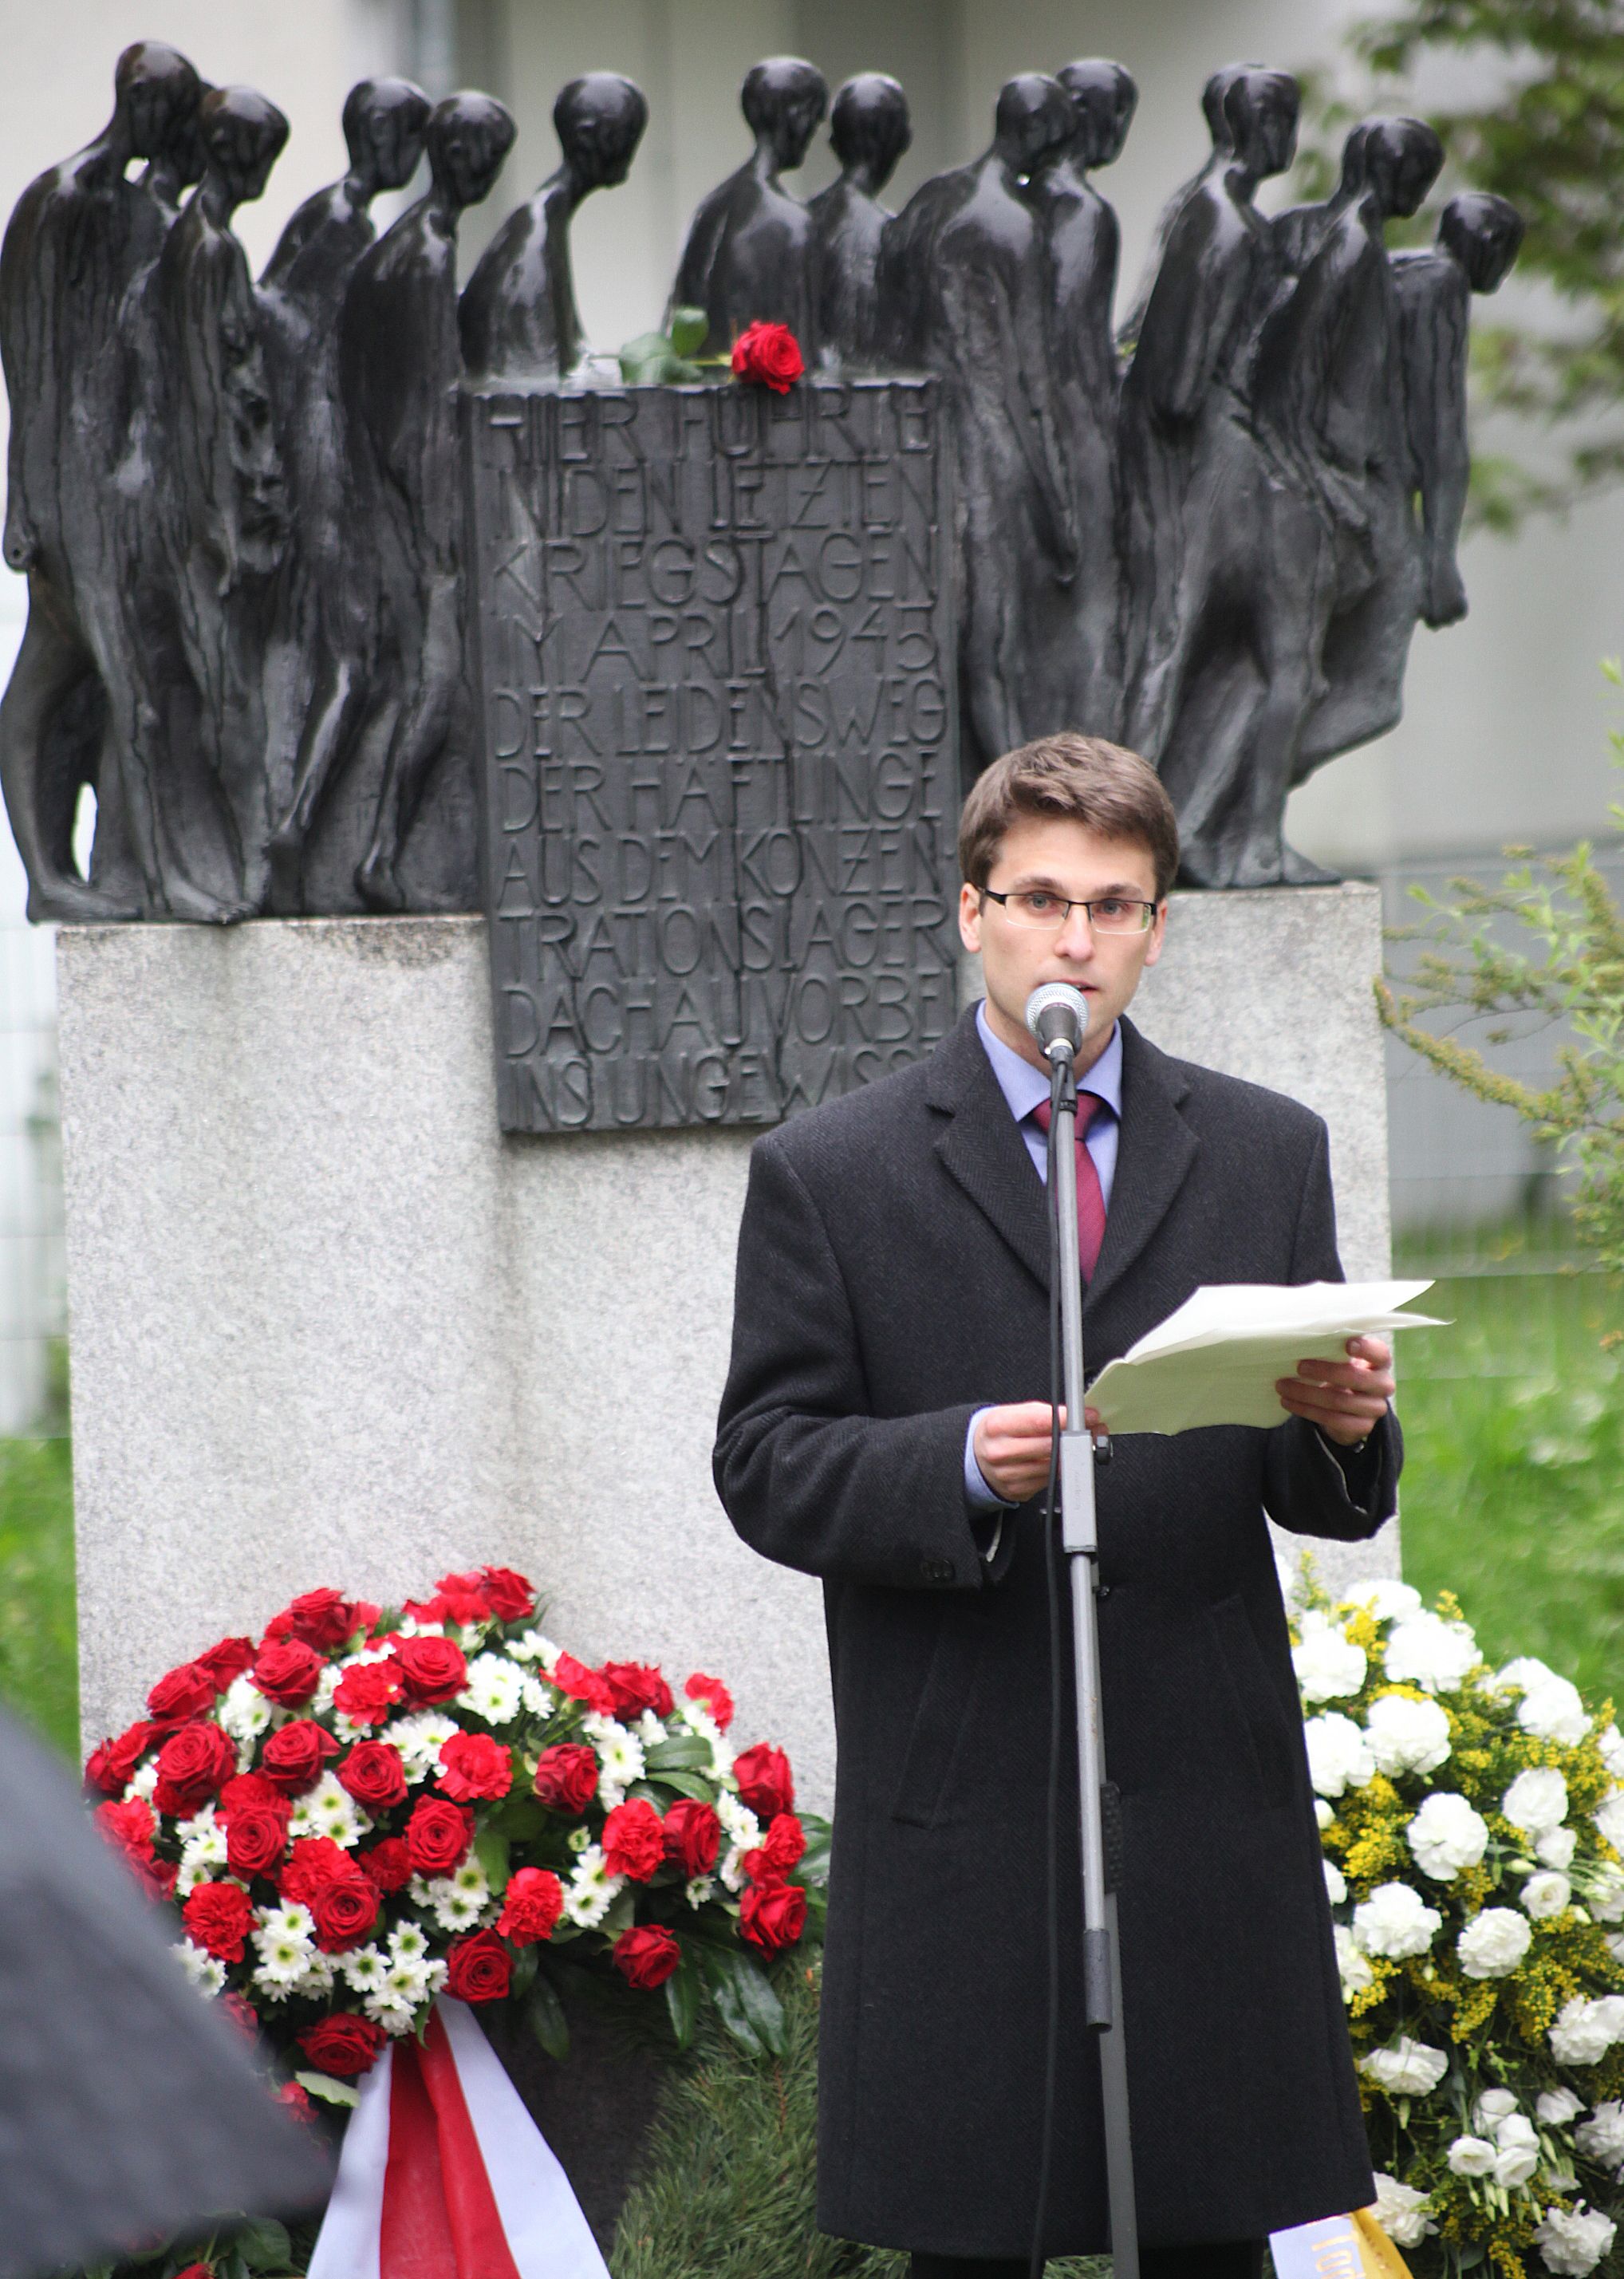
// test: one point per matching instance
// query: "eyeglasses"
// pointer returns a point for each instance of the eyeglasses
(1038, 911)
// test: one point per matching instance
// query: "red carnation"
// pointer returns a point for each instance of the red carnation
(574, 1679)
(287, 1672)
(462, 1597)
(375, 1775)
(478, 1968)
(252, 1791)
(128, 1827)
(186, 1692)
(298, 2102)
(510, 1597)
(322, 1618)
(532, 1905)
(241, 2013)
(313, 1862)
(227, 1660)
(633, 1840)
(342, 2044)
(204, 2270)
(388, 1863)
(432, 1668)
(293, 1757)
(715, 1696)
(217, 1918)
(255, 1838)
(367, 1693)
(111, 1765)
(772, 1914)
(764, 1782)
(191, 1765)
(692, 1836)
(785, 1844)
(439, 1835)
(647, 1958)
(473, 1765)
(567, 1776)
(345, 1910)
(636, 1686)
(769, 354)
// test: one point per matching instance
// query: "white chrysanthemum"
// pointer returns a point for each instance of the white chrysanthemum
(457, 1902)
(326, 1686)
(1573, 2243)
(1584, 2032)
(1408, 2070)
(739, 1821)
(620, 1757)
(142, 1783)
(1329, 1666)
(537, 1696)
(242, 1710)
(420, 1737)
(1351, 1964)
(1385, 1597)
(1494, 1943)
(409, 1626)
(701, 1889)
(1608, 1818)
(1554, 1713)
(699, 1720)
(495, 1689)
(732, 1869)
(1446, 1836)
(1401, 2211)
(206, 1972)
(1322, 1814)
(397, 2018)
(1339, 1757)
(329, 1809)
(1610, 1741)
(591, 1890)
(1395, 1921)
(285, 1943)
(1407, 1736)
(1536, 1801)
(1601, 2137)
(650, 1730)
(535, 1645)
(1471, 2156)
(364, 1968)
(1556, 1848)
(407, 1943)
(1336, 1882)
(1546, 1895)
(1557, 2107)
(1425, 1650)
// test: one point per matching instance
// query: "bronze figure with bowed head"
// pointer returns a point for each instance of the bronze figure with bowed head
(868, 131)
(1078, 652)
(1300, 230)
(383, 122)
(750, 255)
(964, 291)
(517, 313)
(78, 236)
(399, 361)
(1223, 150)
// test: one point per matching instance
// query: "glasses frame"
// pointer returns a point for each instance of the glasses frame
(991, 894)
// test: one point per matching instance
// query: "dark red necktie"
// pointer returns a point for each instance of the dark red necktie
(1091, 1195)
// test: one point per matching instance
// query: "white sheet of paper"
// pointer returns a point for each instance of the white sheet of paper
(1216, 1360)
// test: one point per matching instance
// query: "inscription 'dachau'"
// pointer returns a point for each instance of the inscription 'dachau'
(714, 642)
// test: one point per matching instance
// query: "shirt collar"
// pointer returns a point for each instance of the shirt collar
(1023, 1086)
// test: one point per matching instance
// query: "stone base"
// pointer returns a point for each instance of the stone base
(329, 1326)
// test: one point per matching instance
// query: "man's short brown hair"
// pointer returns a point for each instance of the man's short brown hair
(1113, 791)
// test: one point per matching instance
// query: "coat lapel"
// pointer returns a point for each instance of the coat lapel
(981, 1147)
(1155, 1150)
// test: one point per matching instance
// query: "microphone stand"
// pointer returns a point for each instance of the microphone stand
(1101, 1820)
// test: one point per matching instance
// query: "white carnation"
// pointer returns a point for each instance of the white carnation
(1557, 2106)
(1555, 1712)
(1573, 2245)
(1527, 1672)
(1336, 1882)
(1395, 1921)
(1408, 2070)
(1514, 2164)
(1583, 2033)
(1608, 1818)
(1446, 1835)
(1426, 1651)
(1351, 1964)
(1322, 1814)
(1546, 1895)
(1494, 1943)
(1536, 1801)
(1385, 1597)
(1401, 2211)
(1604, 1891)
(1493, 2107)
(1556, 1848)
(1601, 2137)
(1610, 1741)
(495, 1689)
(1472, 2156)
(1407, 1736)
(1338, 1756)
(1329, 1666)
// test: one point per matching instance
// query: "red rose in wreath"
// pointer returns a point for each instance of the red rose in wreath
(345, 1911)
(636, 1686)
(772, 1916)
(478, 1969)
(769, 354)
(254, 1839)
(227, 1660)
(438, 1836)
(375, 1775)
(187, 1692)
(432, 1668)
(510, 1596)
(112, 1764)
(566, 1776)
(692, 1836)
(764, 1782)
(647, 1958)
(293, 1757)
(342, 2044)
(287, 1672)
(191, 1765)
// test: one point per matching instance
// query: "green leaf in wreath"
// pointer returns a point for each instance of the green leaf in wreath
(323, 2085)
(544, 2015)
(814, 1866)
(490, 1851)
(620, 1914)
(263, 2245)
(686, 1753)
(682, 2000)
(745, 2002)
(521, 1819)
(688, 328)
(525, 1967)
(688, 1785)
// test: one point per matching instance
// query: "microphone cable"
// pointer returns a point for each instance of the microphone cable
(1051, 2076)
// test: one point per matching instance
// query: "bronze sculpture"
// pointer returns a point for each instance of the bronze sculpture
(868, 131)
(750, 253)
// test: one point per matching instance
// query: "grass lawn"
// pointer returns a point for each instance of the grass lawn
(39, 1659)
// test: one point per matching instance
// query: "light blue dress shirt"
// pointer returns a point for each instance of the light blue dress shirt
(1024, 1087)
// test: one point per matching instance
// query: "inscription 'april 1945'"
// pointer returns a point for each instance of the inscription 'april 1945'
(714, 641)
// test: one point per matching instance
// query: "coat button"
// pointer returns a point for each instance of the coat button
(936, 1571)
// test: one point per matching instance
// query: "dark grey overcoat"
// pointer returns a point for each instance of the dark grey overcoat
(893, 1275)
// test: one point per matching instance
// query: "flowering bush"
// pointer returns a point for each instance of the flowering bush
(1473, 1824)
(359, 1811)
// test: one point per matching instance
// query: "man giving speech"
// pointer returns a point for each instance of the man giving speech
(884, 1427)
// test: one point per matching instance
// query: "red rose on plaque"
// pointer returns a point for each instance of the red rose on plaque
(219, 1918)
(191, 1765)
(510, 1597)
(111, 1765)
(342, 2044)
(287, 1672)
(293, 1757)
(785, 1846)
(367, 1693)
(772, 1916)
(388, 1863)
(478, 1969)
(313, 1862)
(375, 1775)
(646, 1957)
(566, 1777)
(636, 1686)
(227, 1660)
(530, 1907)
(439, 1836)
(472, 1765)
(769, 354)
(432, 1668)
(255, 1838)
(345, 1911)
(692, 1836)
(764, 1782)
(322, 1618)
(634, 1840)
(715, 1696)
(186, 1692)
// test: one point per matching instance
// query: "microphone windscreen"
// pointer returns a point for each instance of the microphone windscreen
(1057, 1014)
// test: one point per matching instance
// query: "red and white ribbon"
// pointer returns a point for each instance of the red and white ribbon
(445, 2176)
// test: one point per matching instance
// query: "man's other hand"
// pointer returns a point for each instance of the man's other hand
(1012, 1447)
(1345, 1399)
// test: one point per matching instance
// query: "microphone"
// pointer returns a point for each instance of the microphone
(1057, 1015)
